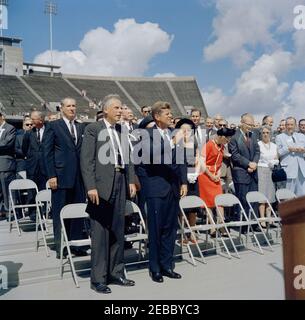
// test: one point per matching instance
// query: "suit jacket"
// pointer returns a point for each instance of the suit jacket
(291, 161)
(33, 151)
(241, 155)
(61, 155)
(98, 175)
(20, 158)
(7, 148)
(158, 179)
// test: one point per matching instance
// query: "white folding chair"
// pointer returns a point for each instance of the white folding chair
(284, 194)
(192, 202)
(22, 174)
(21, 185)
(140, 236)
(72, 211)
(47, 185)
(258, 197)
(43, 198)
(230, 200)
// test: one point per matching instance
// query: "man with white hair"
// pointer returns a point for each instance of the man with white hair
(108, 184)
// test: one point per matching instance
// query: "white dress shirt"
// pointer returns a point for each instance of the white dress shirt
(69, 128)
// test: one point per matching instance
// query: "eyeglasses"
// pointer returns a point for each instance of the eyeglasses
(28, 124)
(249, 124)
(222, 125)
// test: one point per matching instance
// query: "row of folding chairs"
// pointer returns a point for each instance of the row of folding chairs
(251, 222)
(74, 211)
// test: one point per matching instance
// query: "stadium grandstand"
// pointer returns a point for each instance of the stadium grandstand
(22, 88)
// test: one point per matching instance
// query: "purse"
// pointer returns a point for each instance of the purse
(278, 174)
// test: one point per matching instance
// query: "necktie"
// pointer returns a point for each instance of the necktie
(72, 132)
(38, 135)
(248, 140)
(116, 147)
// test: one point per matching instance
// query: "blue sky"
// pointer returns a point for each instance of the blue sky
(245, 54)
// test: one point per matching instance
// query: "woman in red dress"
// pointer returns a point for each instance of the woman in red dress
(211, 160)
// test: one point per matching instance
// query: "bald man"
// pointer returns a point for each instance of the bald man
(245, 154)
(61, 151)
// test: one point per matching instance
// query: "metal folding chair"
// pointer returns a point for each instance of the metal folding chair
(258, 197)
(192, 202)
(141, 235)
(72, 211)
(43, 198)
(230, 200)
(284, 194)
(20, 185)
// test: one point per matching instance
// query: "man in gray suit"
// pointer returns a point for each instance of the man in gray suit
(291, 149)
(108, 182)
(7, 162)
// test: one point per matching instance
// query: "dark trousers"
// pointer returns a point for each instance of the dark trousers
(107, 234)
(60, 198)
(241, 190)
(162, 214)
(5, 179)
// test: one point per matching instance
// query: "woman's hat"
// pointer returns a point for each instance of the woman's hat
(183, 121)
(226, 132)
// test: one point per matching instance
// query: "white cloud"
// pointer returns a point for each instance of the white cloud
(258, 90)
(243, 24)
(165, 75)
(126, 51)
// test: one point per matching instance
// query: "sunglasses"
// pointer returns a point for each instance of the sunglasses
(222, 125)
(28, 125)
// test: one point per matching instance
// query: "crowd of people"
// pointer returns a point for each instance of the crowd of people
(218, 157)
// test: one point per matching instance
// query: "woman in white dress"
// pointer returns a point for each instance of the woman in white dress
(268, 159)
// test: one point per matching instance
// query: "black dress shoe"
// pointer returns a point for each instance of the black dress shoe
(79, 252)
(171, 274)
(64, 255)
(156, 276)
(100, 288)
(122, 282)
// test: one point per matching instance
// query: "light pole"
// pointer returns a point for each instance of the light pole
(3, 15)
(51, 10)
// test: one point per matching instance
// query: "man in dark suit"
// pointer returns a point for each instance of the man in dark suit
(7, 162)
(61, 151)
(33, 141)
(245, 154)
(163, 183)
(108, 182)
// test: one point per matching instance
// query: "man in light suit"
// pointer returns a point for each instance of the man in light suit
(163, 182)
(7, 162)
(108, 181)
(245, 154)
(291, 148)
(61, 151)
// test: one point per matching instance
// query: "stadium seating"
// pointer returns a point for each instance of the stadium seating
(15, 98)
(189, 94)
(53, 89)
(147, 92)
